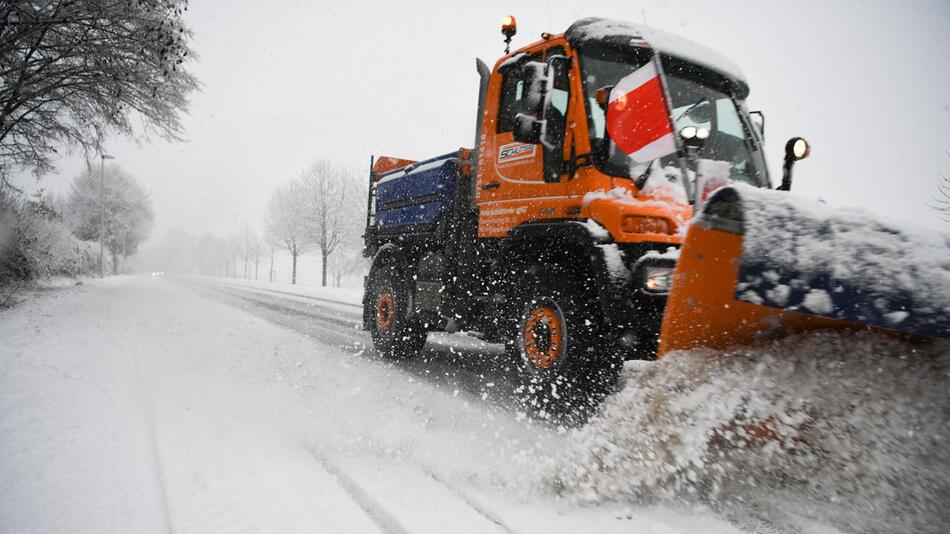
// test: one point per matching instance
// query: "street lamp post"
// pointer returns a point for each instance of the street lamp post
(102, 209)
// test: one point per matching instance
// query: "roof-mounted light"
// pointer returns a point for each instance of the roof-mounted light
(509, 27)
(690, 133)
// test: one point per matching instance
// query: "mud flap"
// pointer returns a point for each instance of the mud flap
(759, 264)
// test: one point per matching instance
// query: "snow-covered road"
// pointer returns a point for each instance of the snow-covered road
(142, 405)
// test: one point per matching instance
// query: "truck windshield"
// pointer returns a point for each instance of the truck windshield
(699, 98)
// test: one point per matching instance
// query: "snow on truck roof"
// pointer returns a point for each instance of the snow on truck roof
(667, 43)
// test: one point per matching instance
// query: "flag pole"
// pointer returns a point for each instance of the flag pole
(687, 185)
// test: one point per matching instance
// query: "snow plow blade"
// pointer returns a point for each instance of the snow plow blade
(760, 264)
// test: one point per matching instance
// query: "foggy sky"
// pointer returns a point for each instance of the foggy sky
(288, 82)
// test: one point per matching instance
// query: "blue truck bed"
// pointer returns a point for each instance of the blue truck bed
(417, 196)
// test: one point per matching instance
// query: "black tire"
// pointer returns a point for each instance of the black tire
(395, 336)
(558, 334)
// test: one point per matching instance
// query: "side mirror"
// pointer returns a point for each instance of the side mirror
(795, 149)
(602, 96)
(759, 124)
(527, 129)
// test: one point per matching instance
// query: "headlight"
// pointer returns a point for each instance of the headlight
(636, 224)
(658, 279)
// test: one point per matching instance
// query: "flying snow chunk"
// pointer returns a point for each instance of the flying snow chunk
(818, 301)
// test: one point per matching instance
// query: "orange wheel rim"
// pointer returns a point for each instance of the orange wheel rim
(385, 311)
(543, 336)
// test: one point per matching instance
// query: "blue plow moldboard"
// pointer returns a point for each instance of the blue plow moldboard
(842, 263)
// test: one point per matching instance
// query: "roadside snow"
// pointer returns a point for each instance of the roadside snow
(137, 405)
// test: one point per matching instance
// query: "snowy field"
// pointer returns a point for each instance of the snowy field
(140, 404)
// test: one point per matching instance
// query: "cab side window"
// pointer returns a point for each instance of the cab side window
(512, 91)
(513, 86)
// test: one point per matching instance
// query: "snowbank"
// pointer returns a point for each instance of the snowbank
(847, 430)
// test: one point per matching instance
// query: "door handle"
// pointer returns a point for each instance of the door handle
(491, 185)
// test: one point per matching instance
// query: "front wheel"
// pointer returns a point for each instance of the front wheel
(559, 339)
(395, 335)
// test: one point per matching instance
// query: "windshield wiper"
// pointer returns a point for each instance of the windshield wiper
(642, 179)
(691, 108)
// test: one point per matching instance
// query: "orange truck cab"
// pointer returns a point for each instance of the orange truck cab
(554, 236)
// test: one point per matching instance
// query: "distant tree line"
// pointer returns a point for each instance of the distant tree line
(320, 212)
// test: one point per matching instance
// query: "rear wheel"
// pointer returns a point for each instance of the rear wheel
(394, 334)
(559, 338)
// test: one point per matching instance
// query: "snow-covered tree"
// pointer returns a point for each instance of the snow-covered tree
(73, 71)
(287, 222)
(335, 207)
(35, 242)
(126, 211)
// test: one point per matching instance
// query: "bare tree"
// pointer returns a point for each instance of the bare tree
(334, 203)
(347, 261)
(73, 71)
(249, 248)
(243, 244)
(943, 200)
(287, 223)
(271, 275)
(256, 247)
(126, 212)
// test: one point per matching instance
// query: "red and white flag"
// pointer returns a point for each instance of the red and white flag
(638, 119)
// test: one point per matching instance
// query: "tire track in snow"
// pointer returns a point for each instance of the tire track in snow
(375, 511)
(461, 494)
(279, 292)
(152, 438)
(337, 332)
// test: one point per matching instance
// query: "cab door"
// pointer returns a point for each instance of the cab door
(522, 181)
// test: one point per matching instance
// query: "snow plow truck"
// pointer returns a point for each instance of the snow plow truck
(568, 232)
